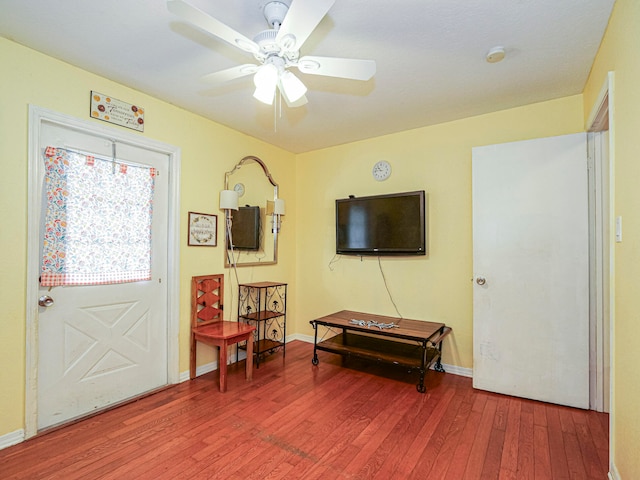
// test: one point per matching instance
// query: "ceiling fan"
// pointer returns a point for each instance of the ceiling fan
(277, 49)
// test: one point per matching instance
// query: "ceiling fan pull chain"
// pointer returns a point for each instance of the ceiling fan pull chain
(275, 111)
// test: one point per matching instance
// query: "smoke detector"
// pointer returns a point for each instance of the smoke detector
(495, 55)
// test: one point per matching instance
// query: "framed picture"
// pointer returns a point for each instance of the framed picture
(203, 230)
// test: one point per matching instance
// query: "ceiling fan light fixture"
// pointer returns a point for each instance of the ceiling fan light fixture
(292, 86)
(266, 80)
(264, 95)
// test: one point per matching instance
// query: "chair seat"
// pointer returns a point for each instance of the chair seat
(224, 330)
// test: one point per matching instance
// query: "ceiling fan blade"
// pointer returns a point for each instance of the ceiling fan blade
(301, 19)
(211, 25)
(229, 74)
(337, 67)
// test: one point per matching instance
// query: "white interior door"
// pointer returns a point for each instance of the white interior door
(531, 270)
(101, 344)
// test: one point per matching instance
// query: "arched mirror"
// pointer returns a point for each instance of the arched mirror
(251, 237)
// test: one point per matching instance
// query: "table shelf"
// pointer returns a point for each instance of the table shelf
(380, 350)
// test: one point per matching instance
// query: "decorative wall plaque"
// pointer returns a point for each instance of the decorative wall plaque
(112, 110)
(203, 229)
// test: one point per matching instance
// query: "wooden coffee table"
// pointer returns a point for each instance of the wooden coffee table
(414, 344)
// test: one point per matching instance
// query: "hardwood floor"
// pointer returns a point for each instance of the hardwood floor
(296, 421)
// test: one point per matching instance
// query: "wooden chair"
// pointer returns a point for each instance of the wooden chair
(207, 325)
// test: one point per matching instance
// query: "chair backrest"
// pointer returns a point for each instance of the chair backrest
(207, 299)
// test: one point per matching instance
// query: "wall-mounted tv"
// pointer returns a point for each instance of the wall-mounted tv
(392, 224)
(245, 228)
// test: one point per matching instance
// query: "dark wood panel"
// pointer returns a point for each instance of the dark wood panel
(297, 421)
(378, 349)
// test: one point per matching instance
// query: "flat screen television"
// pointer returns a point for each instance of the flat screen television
(245, 228)
(392, 224)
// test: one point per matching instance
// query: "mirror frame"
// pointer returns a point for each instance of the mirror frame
(244, 161)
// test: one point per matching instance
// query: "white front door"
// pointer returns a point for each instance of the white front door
(101, 344)
(531, 270)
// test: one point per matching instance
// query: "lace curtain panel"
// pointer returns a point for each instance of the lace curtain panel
(98, 220)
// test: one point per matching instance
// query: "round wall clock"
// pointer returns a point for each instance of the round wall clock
(381, 170)
(239, 189)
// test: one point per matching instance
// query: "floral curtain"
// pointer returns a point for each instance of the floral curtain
(98, 220)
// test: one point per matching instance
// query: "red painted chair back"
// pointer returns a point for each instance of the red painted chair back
(207, 300)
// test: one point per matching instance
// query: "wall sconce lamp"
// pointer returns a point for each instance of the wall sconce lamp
(228, 202)
(276, 210)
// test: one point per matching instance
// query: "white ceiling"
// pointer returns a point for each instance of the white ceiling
(430, 57)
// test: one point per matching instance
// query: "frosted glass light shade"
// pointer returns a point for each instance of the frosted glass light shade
(264, 94)
(228, 200)
(266, 80)
(278, 207)
(292, 87)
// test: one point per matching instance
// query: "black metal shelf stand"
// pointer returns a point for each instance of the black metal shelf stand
(264, 305)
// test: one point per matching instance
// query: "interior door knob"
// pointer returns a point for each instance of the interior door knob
(481, 280)
(45, 301)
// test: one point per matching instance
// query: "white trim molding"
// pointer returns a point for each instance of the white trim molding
(12, 438)
(210, 367)
(613, 473)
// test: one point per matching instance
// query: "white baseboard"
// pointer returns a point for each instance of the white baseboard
(452, 369)
(208, 367)
(12, 438)
(455, 370)
(303, 338)
(613, 473)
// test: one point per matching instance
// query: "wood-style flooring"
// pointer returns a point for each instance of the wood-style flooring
(297, 421)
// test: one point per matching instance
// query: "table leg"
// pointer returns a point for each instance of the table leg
(222, 366)
(314, 360)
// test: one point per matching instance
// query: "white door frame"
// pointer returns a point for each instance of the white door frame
(38, 116)
(599, 248)
(602, 116)
(602, 247)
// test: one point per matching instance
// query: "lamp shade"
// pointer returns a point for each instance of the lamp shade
(228, 200)
(278, 207)
(266, 80)
(292, 87)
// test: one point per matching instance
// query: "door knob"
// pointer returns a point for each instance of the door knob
(45, 301)
(481, 280)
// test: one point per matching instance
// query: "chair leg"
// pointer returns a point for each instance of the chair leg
(222, 366)
(249, 360)
(192, 358)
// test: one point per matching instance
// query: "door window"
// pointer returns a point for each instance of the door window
(98, 220)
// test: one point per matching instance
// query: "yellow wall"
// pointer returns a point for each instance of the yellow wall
(619, 53)
(436, 159)
(208, 150)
